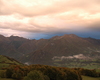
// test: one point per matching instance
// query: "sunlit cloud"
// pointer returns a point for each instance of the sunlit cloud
(49, 16)
(9, 32)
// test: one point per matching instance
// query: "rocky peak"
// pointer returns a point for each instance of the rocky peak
(70, 35)
(2, 38)
(17, 38)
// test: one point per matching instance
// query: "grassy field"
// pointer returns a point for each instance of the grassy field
(5, 79)
(74, 63)
(98, 70)
(90, 78)
(83, 78)
(6, 61)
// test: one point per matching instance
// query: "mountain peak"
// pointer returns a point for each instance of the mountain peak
(65, 36)
(70, 35)
(17, 38)
(12, 36)
(1, 36)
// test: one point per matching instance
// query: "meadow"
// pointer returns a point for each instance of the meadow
(89, 78)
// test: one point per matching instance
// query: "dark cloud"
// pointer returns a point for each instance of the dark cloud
(95, 26)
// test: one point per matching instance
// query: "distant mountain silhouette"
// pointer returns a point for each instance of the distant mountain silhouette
(47, 51)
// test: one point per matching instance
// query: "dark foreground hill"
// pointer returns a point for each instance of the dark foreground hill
(67, 50)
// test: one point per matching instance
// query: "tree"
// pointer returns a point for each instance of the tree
(34, 75)
(9, 73)
(2, 73)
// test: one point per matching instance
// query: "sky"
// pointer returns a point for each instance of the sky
(47, 18)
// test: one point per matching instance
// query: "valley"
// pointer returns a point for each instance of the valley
(68, 50)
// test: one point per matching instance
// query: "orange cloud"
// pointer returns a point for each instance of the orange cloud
(49, 15)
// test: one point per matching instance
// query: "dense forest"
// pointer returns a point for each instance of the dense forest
(44, 72)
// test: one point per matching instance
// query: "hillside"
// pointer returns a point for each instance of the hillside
(67, 50)
(6, 61)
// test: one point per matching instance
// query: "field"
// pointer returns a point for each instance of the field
(98, 70)
(84, 78)
(90, 78)
(5, 79)
(75, 63)
(6, 61)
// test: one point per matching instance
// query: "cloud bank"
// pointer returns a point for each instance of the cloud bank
(49, 16)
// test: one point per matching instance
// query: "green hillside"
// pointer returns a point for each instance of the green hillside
(6, 61)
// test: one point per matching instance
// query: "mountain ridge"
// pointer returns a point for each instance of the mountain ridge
(43, 51)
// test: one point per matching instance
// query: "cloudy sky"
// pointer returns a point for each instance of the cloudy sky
(47, 18)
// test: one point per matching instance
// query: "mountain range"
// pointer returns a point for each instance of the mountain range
(67, 50)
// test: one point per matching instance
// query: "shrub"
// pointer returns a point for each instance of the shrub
(34, 75)
(2, 74)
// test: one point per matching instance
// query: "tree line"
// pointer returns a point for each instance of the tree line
(44, 72)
